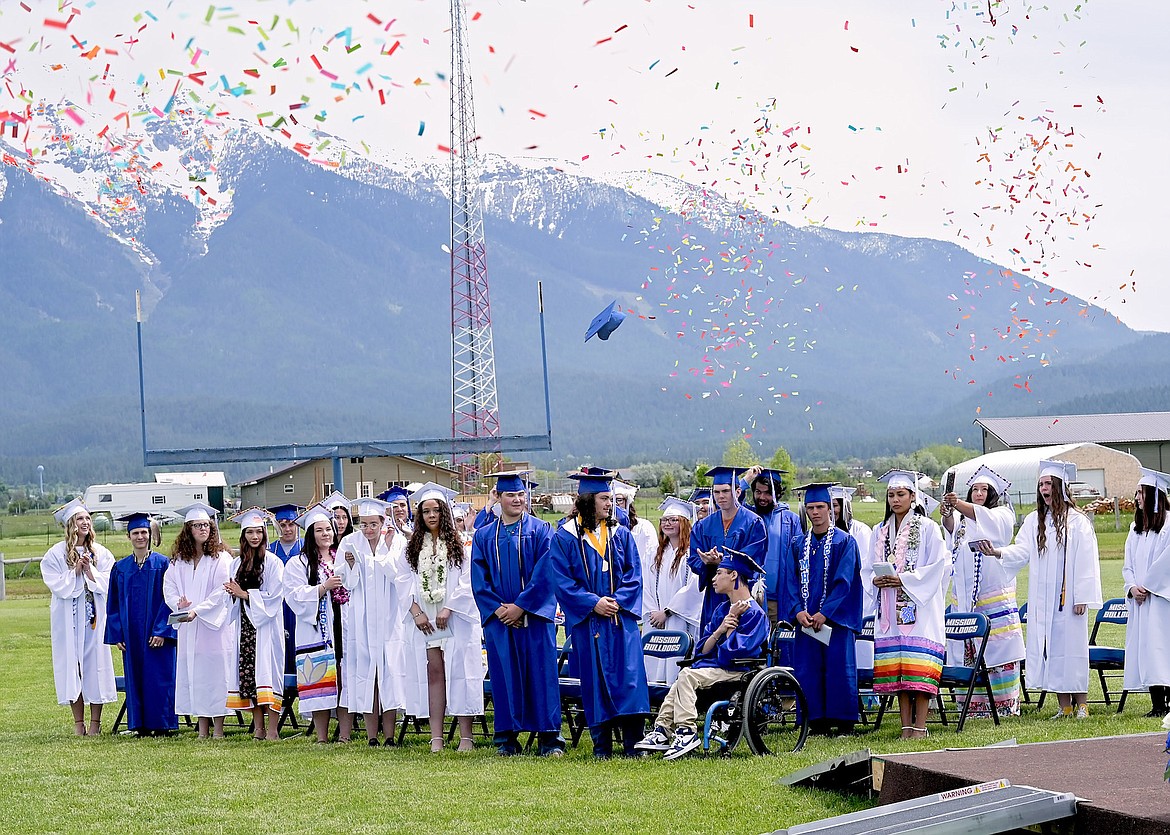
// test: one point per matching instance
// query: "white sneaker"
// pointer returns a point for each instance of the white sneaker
(657, 740)
(1082, 711)
(685, 741)
(1063, 713)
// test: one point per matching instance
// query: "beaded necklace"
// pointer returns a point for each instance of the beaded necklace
(805, 565)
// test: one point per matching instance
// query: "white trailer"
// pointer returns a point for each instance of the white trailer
(146, 497)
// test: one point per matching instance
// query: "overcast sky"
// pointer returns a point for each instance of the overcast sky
(865, 87)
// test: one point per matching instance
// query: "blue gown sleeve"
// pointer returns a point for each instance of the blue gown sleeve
(628, 585)
(114, 632)
(700, 542)
(538, 598)
(747, 641)
(576, 599)
(842, 604)
(716, 621)
(792, 602)
(487, 600)
(160, 628)
(756, 541)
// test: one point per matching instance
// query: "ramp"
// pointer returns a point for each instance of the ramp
(975, 810)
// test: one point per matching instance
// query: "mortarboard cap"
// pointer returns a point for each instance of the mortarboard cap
(285, 512)
(988, 476)
(197, 512)
(900, 478)
(1064, 470)
(460, 509)
(253, 517)
(677, 507)
(68, 511)
(1153, 478)
(431, 490)
(701, 494)
(622, 488)
(605, 322)
(511, 481)
(739, 562)
(371, 507)
(335, 500)
(134, 521)
(820, 491)
(590, 483)
(316, 513)
(394, 494)
(929, 503)
(840, 491)
(723, 475)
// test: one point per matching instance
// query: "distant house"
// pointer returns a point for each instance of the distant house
(1144, 435)
(1110, 472)
(302, 481)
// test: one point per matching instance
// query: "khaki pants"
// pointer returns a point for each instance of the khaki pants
(678, 708)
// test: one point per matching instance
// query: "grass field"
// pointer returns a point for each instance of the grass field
(57, 782)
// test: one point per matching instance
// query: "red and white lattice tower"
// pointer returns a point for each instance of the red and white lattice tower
(475, 411)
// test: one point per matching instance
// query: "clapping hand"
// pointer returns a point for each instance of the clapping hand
(712, 557)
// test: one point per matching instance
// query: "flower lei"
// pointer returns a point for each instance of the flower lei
(907, 549)
(805, 564)
(432, 571)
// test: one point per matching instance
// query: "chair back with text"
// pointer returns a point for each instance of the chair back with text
(975, 627)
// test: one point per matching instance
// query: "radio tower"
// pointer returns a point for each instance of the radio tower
(475, 411)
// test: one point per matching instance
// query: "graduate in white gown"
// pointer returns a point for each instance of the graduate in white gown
(371, 565)
(1146, 573)
(77, 572)
(905, 574)
(314, 592)
(194, 583)
(1059, 546)
(863, 535)
(438, 601)
(645, 537)
(670, 590)
(983, 585)
(256, 666)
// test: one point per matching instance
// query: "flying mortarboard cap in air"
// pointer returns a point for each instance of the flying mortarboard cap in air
(605, 322)
(371, 507)
(68, 511)
(253, 517)
(335, 500)
(701, 494)
(988, 476)
(285, 512)
(395, 494)
(739, 562)
(431, 490)
(723, 475)
(820, 491)
(316, 513)
(134, 521)
(589, 483)
(677, 507)
(197, 512)
(900, 478)
(511, 481)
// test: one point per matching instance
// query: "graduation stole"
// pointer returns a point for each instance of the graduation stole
(805, 563)
(604, 528)
(599, 546)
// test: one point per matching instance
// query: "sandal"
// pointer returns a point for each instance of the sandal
(436, 744)
(95, 728)
(79, 728)
(466, 744)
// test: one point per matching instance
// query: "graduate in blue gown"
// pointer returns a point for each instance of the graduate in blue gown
(782, 526)
(729, 525)
(599, 586)
(136, 623)
(288, 546)
(512, 582)
(824, 591)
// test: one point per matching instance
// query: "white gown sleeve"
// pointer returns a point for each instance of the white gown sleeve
(265, 603)
(215, 610)
(301, 597)
(1085, 560)
(460, 599)
(101, 566)
(1158, 571)
(63, 582)
(932, 569)
(1016, 556)
(1128, 578)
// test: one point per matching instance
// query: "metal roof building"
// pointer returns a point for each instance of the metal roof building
(1145, 435)
(1111, 471)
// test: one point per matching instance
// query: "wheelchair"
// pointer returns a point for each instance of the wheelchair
(765, 705)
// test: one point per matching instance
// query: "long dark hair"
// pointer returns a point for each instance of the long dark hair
(840, 521)
(311, 554)
(992, 496)
(1060, 510)
(348, 523)
(251, 571)
(585, 511)
(447, 534)
(1150, 520)
(684, 545)
(184, 547)
(633, 513)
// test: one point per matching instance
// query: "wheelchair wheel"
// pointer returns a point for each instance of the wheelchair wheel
(775, 713)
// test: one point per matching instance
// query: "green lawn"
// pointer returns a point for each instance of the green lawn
(133, 785)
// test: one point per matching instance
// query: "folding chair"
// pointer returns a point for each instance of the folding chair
(780, 644)
(1109, 662)
(287, 714)
(570, 685)
(1024, 691)
(865, 695)
(667, 644)
(967, 626)
(120, 684)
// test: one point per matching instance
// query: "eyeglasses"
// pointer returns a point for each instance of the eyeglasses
(369, 526)
(201, 525)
